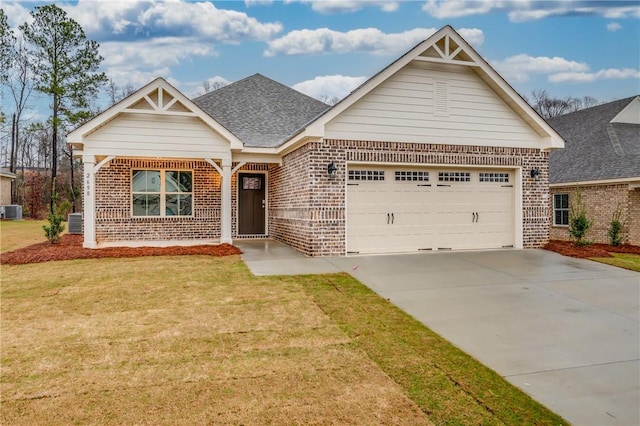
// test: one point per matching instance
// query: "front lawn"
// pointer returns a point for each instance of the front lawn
(198, 339)
(621, 260)
(15, 234)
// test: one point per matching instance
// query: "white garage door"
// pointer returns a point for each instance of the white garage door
(401, 209)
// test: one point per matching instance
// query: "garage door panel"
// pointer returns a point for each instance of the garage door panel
(468, 210)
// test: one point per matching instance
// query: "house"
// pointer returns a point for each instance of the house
(6, 178)
(601, 159)
(434, 152)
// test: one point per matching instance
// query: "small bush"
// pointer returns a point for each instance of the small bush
(579, 224)
(615, 228)
(55, 228)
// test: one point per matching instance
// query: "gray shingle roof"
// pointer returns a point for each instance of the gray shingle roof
(261, 112)
(595, 149)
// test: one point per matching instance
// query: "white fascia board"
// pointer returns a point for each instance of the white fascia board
(258, 155)
(77, 135)
(634, 182)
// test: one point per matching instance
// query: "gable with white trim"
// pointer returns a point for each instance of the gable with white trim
(156, 121)
(442, 91)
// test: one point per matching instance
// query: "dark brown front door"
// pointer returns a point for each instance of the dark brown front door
(251, 203)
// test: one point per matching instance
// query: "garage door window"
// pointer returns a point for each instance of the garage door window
(561, 209)
(494, 177)
(454, 176)
(370, 175)
(412, 176)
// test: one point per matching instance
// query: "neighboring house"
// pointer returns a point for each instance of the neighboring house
(6, 178)
(436, 151)
(601, 159)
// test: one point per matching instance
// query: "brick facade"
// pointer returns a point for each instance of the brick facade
(113, 204)
(601, 202)
(307, 208)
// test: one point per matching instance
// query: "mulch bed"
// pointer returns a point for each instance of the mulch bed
(568, 248)
(69, 247)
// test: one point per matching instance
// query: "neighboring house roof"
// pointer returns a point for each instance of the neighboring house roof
(602, 143)
(261, 112)
(8, 175)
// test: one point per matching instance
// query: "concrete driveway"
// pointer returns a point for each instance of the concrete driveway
(564, 330)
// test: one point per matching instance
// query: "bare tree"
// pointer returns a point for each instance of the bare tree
(116, 92)
(329, 100)
(549, 107)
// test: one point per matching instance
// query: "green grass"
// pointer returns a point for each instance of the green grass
(621, 260)
(15, 234)
(195, 339)
(449, 385)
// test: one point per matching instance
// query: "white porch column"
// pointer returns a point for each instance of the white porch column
(225, 208)
(89, 194)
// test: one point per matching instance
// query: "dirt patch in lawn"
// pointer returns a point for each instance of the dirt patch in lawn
(69, 247)
(568, 248)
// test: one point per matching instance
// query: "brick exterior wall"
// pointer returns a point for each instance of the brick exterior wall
(113, 204)
(634, 217)
(600, 202)
(307, 209)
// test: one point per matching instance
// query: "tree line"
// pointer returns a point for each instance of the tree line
(51, 57)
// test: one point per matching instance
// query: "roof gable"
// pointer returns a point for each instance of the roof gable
(259, 111)
(446, 46)
(156, 98)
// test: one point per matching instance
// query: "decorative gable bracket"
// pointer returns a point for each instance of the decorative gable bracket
(446, 50)
(159, 101)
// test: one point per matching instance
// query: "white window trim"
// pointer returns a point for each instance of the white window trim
(163, 193)
(560, 209)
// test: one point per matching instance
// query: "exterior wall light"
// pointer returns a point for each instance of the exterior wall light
(332, 169)
(535, 173)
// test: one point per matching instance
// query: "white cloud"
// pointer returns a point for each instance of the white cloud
(329, 86)
(177, 18)
(521, 11)
(138, 78)
(613, 27)
(520, 67)
(349, 6)
(587, 77)
(195, 89)
(156, 52)
(16, 14)
(372, 40)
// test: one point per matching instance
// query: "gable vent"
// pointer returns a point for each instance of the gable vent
(441, 104)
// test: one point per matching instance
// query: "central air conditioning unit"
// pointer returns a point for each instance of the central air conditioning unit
(74, 222)
(13, 211)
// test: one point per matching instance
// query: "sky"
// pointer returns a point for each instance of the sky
(327, 48)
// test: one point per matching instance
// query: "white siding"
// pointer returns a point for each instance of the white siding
(148, 135)
(402, 109)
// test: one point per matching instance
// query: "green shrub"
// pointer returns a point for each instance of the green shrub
(579, 223)
(615, 228)
(55, 228)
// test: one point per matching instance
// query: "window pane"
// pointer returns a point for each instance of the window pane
(171, 181)
(177, 181)
(185, 205)
(185, 181)
(146, 181)
(178, 205)
(565, 201)
(558, 218)
(146, 205)
(565, 217)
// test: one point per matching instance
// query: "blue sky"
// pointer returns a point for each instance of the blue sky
(570, 48)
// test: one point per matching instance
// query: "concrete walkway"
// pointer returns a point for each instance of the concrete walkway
(566, 331)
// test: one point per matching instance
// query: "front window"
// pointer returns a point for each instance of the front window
(561, 209)
(162, 193)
